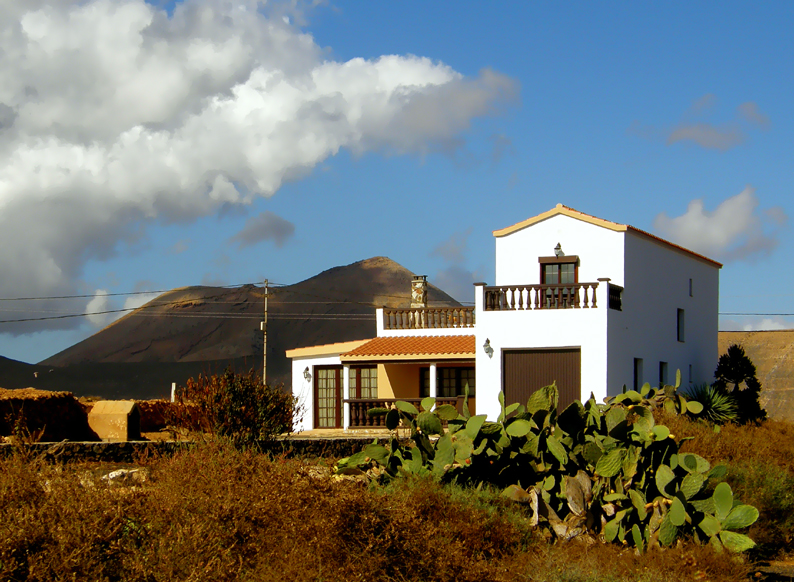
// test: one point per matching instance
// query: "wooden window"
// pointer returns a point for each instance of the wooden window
(450, 382)
(559, 271)
(364, 382)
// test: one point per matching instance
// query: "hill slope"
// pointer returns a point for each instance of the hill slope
(188, 330)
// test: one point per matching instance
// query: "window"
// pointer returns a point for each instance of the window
(559, 271)
(690, 374)
(638, 374)
(662, 373)
(450, 382)
(328, 395)
(680, 323)
(690, 288)
(364, 382)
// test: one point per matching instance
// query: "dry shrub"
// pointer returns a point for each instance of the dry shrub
(217, 513)
(239, 407)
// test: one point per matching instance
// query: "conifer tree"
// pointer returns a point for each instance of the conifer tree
(735, 374)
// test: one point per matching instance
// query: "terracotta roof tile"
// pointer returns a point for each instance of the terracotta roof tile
(413, 347)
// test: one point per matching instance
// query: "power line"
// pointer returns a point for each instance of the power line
(160, 291)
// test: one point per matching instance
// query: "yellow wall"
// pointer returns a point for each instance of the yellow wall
(398, 380)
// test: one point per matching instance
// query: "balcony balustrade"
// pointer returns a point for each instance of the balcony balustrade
(360, 406)
(428, 318)
(530, 297)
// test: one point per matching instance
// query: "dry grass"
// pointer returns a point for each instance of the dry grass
(218, 514)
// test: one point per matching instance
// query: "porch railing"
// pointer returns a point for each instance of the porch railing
(428, 318)
(527, 297)
(360, 406)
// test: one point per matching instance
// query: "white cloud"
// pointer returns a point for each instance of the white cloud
(453, 250)
(734, 230)
(752, 113)
(113, 114)
(457, 282)
(758, 323)
(95, 308)
(265, 226)
(136, 301)
(708, 136)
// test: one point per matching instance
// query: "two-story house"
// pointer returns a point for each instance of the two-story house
(590, 304)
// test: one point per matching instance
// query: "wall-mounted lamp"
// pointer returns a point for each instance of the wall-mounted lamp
(487, 347)
(307, 375)
(558, 251)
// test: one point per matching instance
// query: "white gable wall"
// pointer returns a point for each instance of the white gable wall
(600, 251)
(656, 286)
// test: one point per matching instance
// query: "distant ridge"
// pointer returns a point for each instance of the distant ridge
(193, 329)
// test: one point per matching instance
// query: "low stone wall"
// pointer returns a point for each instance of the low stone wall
(50, 416)
(140, 451)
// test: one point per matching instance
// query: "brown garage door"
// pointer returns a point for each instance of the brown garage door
(524, 371)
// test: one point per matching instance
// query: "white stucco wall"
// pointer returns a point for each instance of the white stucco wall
(600, 251)
(656, 286)
(303, 390)
(543, 328)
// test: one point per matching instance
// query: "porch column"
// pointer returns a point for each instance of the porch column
(346, 395)
(433, 377)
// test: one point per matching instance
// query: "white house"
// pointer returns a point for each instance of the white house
(590, 304)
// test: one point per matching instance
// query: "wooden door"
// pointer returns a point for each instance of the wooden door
(328, 397)
(524, 371)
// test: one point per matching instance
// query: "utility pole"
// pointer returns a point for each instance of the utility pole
(263, 327)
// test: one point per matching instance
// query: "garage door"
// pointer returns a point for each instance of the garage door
(524, 371)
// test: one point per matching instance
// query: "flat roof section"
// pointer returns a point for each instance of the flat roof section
(325, 349)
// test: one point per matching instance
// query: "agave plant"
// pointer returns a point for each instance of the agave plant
(719, 406)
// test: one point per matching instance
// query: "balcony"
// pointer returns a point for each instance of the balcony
(531, 297)
(429, 318)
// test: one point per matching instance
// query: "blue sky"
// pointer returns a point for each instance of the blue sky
(421, 128)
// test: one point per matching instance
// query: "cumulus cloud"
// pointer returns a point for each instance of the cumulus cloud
(96, 307)
(115, 114)
(734, 230)
(707, 136)
(457, 281)
(750, 112)
(265, 226)
(453, 249)
(694, 129)
(756, 324)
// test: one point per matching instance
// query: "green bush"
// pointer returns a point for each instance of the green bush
(719, 406)
(234, 406)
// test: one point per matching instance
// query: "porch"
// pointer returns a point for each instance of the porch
(359, 409)
(550, 296)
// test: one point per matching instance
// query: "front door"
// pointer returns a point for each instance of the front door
(328, 397)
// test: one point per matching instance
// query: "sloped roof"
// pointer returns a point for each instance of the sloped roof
(443, 347)
(570, 212)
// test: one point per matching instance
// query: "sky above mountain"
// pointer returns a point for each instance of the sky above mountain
(147, 146)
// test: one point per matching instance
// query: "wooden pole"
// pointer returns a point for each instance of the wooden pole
(264, 332)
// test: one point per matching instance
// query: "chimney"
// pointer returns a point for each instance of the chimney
(419, 292)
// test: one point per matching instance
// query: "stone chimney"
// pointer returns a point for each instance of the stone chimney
(419, 292)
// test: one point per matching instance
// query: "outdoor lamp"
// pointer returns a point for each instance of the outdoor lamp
(307, 375)
(487, 347)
